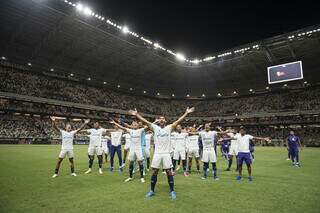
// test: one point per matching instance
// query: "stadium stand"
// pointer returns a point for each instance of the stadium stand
(28, 99)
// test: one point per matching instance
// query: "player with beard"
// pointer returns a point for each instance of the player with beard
(162, 144)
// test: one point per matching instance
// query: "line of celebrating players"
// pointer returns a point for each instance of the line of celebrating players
(171, 143)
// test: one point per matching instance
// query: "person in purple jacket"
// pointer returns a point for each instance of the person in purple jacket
(293, 143)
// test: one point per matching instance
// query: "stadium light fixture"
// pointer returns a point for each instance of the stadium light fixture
(125, 29)
(156, 45)
(195, 61)
(87, 11)
(144, 92)
(118, 86)
(180, 57)
(71, 74)
(79, 7)
(29, 64)
(104, 82)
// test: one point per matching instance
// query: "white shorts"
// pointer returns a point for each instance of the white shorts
(147, 153)
(165, 159)
(64, 152)
(105, 150)
(233, 151)
(95, 150)
(126, 146)
(179, 153)
(193, 153)
(209, 156)
(135, 155)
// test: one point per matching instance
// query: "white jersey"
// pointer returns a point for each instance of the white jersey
(127, 139)
(136, 136)
(95, 136)
(179, 140)
(104, 140)
(67, 139)
(116, 138)
(162, 142)
(234, 143)
(148, 140)
(208, 138)
(193, 142)
(243, 142)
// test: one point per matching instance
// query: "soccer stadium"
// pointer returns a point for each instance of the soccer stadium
(139, 106)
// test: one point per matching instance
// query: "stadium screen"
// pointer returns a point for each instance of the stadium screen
(285, 72)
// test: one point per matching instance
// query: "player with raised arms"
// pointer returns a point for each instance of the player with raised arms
(106, 143)
(162, 148)
(147, 151)
(244, 154)
(67, 137)
(136, 148)
(95, 145)
(193, 150)
(208, 138)
(180, 140)
(233, 151)
(127, 139)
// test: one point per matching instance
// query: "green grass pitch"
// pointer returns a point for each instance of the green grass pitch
(26, 185)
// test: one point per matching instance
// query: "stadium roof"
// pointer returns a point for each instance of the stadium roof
(57, 36)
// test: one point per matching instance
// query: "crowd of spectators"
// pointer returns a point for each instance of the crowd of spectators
(34, 122)
(18, 125)
(25, 83)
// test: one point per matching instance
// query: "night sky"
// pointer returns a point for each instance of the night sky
(199, 28)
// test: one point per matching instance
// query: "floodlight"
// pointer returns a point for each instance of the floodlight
(79, 7)
(125, 29)
(87, 11)
(180, 57)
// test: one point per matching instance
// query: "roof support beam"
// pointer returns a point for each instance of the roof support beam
(46, 38)
(70, 46)
(269, 55)
(19, 30)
